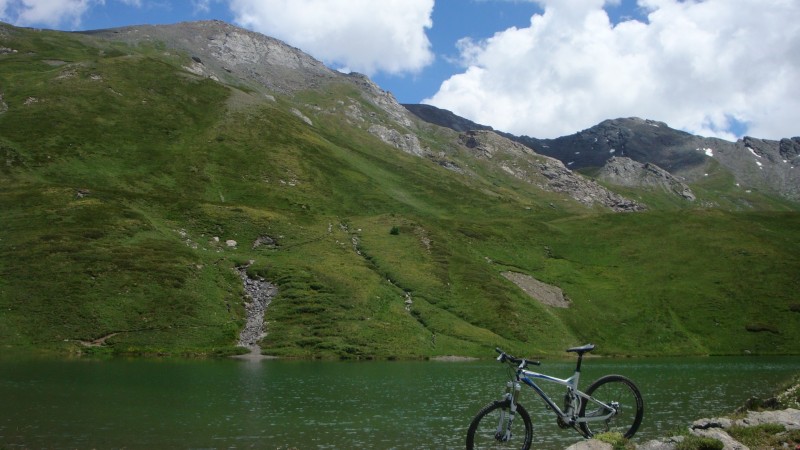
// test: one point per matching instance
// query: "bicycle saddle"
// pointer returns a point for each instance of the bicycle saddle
(582, 349)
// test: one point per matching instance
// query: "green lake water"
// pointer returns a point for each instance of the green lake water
(276, 404)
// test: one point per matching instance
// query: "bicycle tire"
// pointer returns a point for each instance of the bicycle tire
(482, 429)
(614, 388)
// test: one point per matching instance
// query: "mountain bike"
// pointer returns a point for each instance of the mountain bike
(610, 404)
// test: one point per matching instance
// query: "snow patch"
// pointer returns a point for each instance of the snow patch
(708, 151)
(753, 152)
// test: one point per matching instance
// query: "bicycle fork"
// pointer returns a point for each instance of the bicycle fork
(503, 432)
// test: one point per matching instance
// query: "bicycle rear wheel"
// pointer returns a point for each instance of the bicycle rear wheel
(486, 431)
(623, 396)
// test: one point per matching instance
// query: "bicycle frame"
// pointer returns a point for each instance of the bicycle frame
(573, 406)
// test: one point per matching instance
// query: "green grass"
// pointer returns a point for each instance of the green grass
(121, 182)
(766, 436)
(692, 442)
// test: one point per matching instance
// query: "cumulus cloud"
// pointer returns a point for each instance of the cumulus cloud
(45, 12)
(710, 67)
(362, 35)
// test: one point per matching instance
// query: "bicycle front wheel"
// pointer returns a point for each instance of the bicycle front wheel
(618, 397)
(488, 428)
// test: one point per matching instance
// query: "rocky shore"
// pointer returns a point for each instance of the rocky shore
(774, 424)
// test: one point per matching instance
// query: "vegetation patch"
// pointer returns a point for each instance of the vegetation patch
(766, 436)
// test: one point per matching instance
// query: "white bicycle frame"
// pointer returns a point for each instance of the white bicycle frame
(570, 416)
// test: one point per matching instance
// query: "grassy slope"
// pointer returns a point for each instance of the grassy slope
(169, 164)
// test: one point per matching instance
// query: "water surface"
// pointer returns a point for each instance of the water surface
(311, 404)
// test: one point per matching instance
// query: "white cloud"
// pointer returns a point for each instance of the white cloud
(201, 6)
(44, 12)
(702, 66)
(364, 35)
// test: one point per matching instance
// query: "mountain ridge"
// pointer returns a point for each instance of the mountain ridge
(755, 163)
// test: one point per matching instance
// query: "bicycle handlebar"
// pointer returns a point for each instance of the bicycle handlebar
(522, 362)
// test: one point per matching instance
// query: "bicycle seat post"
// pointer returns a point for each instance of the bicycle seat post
(580, 351)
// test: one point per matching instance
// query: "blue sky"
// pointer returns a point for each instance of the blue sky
(544, 68)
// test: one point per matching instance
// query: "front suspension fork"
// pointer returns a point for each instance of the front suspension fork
(503, 433)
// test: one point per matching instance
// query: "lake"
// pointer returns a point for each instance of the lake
(231, 404)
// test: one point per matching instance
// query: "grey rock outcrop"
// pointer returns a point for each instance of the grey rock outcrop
(547, 173)
(624, 171)
(407, 142)
(592, 444)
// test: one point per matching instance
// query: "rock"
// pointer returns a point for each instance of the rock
(406, 142)
(266, 241)
(717, 422)
(789, 418)
(302, 116)
(668, 444)
(591, 444)
(231, 243)
(720, 434)
(624, 171)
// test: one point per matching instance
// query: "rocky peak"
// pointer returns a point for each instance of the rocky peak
(229, 53)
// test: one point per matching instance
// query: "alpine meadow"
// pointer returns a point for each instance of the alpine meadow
(143, 168)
